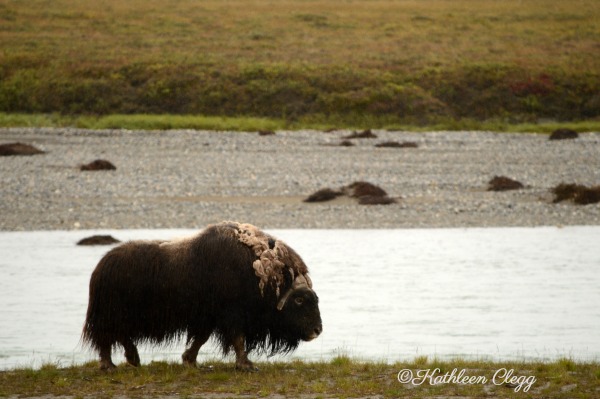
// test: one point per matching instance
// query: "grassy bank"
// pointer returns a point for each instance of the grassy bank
(252, 124)
(409, 62)
(340, 377)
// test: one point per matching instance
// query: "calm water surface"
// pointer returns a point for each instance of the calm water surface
(385, 295)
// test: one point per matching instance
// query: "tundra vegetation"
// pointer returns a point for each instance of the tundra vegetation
(258, 65)
(340, 377)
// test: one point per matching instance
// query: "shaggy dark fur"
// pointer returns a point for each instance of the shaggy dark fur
(266, 133)
(202, 286)
(503, 183)
(98, 164)
(98, 240)
(563, 134)
(18, 149)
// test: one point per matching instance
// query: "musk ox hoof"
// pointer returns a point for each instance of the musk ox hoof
(246, 366)
(107, 365)
(188, 361)
(133, 361)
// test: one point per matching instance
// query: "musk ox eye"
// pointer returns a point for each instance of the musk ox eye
(299, 301)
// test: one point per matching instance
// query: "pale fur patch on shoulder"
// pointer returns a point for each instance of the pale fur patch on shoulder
(273, 256)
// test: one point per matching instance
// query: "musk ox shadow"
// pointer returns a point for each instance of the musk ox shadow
(231, 281)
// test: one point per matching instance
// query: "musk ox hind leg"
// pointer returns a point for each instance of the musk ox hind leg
(241, 356)
(191, 353)
(105, 358)
(131, 353)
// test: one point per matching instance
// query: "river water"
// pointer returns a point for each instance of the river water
(385, 295)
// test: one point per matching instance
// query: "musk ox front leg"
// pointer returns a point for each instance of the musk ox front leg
(241, 356)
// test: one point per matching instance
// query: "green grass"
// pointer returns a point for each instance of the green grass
(415, 63)
(250, 124)
(340, 377)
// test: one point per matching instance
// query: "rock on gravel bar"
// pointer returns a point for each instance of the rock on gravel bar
(188, 179)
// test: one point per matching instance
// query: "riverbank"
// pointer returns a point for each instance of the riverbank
(339, 378)
(188, 179)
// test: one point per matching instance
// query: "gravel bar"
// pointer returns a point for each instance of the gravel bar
(188, 179)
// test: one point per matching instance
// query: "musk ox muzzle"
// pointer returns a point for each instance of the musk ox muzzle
(247, 289)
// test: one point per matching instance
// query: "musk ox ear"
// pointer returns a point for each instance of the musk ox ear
(302, 281)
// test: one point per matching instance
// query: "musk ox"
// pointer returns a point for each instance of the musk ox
(232, 281)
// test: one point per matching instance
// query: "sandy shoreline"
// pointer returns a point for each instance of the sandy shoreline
(188, 179)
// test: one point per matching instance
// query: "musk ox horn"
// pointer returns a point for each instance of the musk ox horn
(302, 281)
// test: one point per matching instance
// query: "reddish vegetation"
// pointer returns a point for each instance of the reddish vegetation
(98, 164)
(18, 149)
(541, 85)
(502, 183)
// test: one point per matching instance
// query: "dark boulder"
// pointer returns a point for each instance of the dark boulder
(503, 183)
(362, 188)
(98, 164)
(579, 194)
(325, 194)
(395, 144)
(98, 240)
(10, 149)
(563, 134)
(365, 134)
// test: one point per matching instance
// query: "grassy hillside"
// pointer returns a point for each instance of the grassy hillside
(327, 61)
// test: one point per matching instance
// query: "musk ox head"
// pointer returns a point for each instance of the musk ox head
(282, 273)
(299, 308)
